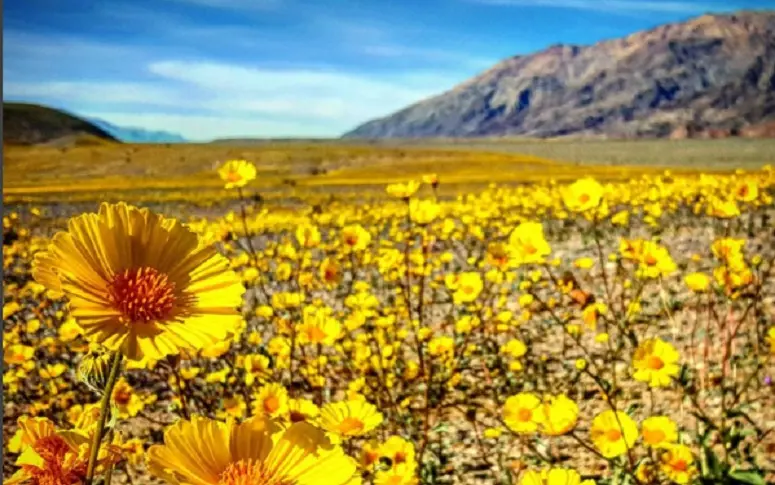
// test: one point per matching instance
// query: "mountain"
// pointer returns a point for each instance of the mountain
(138, 135)
(32, 124)
(709, 76)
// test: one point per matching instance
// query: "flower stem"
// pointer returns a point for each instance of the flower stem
(104, 409)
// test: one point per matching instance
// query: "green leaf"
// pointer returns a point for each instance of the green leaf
(748, 477)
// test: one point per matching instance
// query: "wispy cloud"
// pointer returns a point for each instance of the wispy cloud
(610, 5)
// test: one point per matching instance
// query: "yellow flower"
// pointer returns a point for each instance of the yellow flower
(659, 431)
(402, 474)
(259, 450)
(746, 191)
(443, 347)
(522, 413)
(553, 476)
(271, 400)
(467, 287)
(528, 243)
(583, 195)
(216, 350)
(430, 179)
(126, 399)
(356, 237)
(308, 235)
(52, 456)
(655, 362)
(18, 354)
(350, 418)
(771, 338)
(403, 191)
(398, 451)
(423, 211)
(10, 308)
(697, 282)
(559, 415)
(302, 410)
(237, 173)
(69, 330)
(584, 263)
(318, 328)
(514, 348)
(141, 283)
(52, 371)
(677, 463)
(655, 261)
(613, 433)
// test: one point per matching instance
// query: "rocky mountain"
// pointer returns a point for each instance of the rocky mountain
(137, 135)
(712, 75)
(32, 124)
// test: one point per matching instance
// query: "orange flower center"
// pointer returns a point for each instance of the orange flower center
(142, 295)
(653, 436)
(122, 396)
(399, 457)
(679, 465)
(352, 240)
(271, 404)
(52, 449)
(584, 198)
(613, 435)
(650, 260)
(350, 425)
(233, 177)
(316, 334)
(654, 363)
(525, 415)
(250, 472)
(530, 248)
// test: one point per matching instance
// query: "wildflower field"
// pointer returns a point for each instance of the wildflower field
(569, 324)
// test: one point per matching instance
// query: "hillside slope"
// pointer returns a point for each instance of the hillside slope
(714, 72)
(32, 124)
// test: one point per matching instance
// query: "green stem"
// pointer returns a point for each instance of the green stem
(104, 405)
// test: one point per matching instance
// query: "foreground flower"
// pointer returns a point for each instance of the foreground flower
(522, 412)
(140, 282)
(350, 418)
(583, 195)
(659, 431)
(655, 362)
(613, 433)
(206, 452)
(237, 173)
(678, 464)
(560, 415)
(51, 456)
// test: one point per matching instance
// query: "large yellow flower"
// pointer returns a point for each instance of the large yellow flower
(49, 455)
(237, 173)
(613, 433)
(583, 195)
(522, 413)
(655, 362)
(142, 283)
(350, 418)
(207, 452)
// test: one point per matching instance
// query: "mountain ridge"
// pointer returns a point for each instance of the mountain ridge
(712, 72)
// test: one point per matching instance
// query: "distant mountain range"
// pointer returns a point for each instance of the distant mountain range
(33, 124)
(711, 76)
(137, 135)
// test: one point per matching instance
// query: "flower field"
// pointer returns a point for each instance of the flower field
(559, 332)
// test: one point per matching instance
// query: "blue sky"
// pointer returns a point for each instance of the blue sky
(269, 68)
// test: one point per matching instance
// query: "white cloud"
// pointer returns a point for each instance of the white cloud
(341, 99)
(610, 5)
